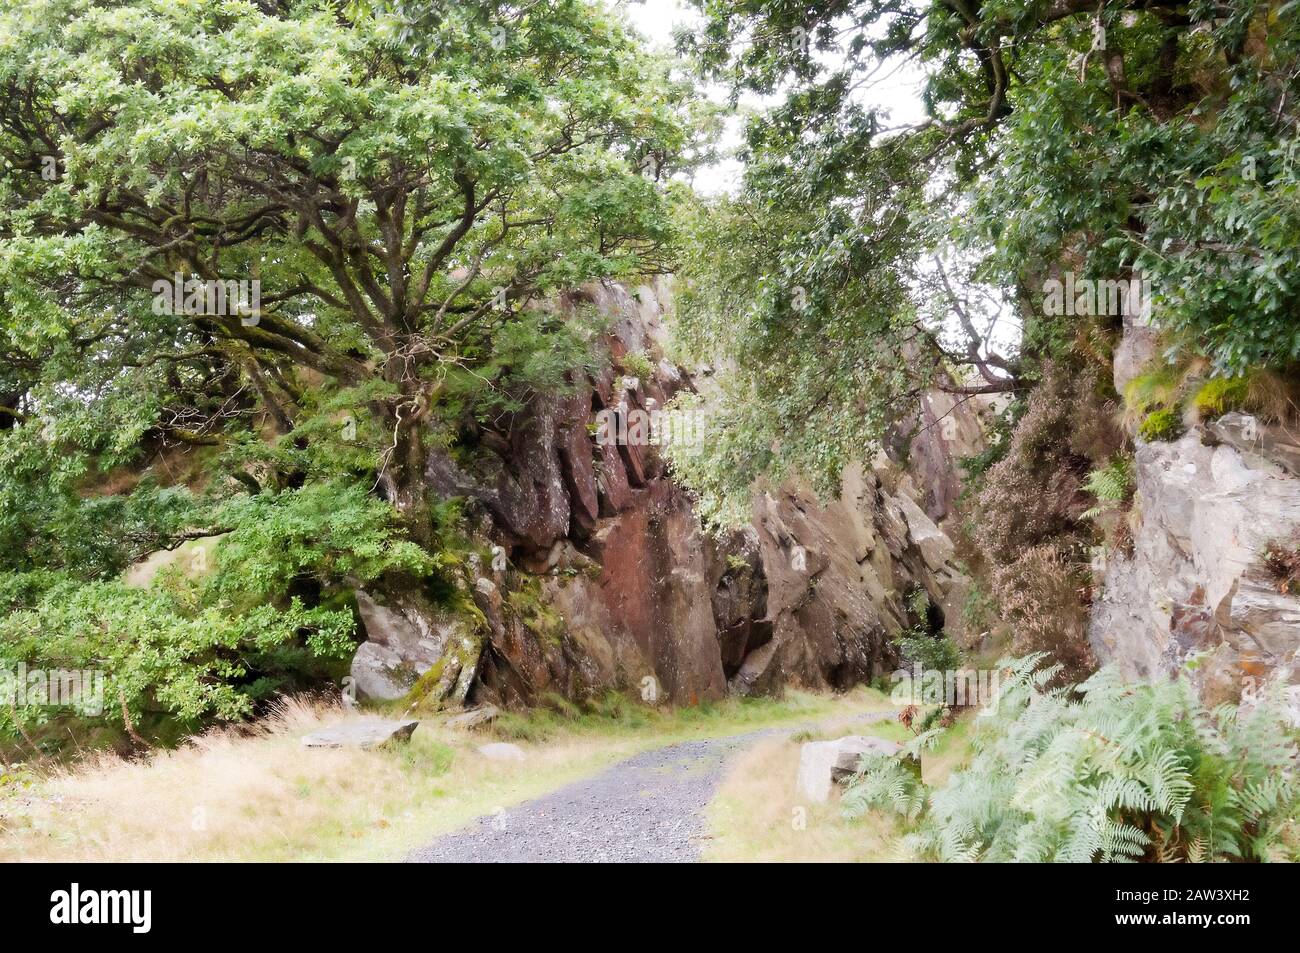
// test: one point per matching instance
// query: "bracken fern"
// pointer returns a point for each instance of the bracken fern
(1103, 771)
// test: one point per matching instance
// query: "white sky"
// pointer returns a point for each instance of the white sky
(899, 91)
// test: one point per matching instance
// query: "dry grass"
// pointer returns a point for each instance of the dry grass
(263, 796)
(259, 795)
(756, 817)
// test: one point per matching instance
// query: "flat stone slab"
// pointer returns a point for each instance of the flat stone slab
(821, 763)
(362, 733)
(501, 751)
(473, 717)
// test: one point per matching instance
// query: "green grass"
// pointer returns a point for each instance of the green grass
(759, 817)
(617, 715)
(952, 751)
(265, 797)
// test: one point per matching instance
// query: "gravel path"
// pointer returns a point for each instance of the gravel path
(645, 809)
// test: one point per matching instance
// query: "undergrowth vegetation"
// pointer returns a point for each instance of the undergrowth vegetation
(1025, 517)
(1105, 771)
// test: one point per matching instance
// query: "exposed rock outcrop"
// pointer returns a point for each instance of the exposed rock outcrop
(610, 583)
(405, 640)
(837, 580)
(1196, 580)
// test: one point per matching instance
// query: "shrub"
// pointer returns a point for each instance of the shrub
(638, 365)
(1283, 564)
(159, 650)
(273, 615)
(1219, 395)
(1032, 496)
(935, 652)
(1162, 424)
(1106, 771)
(1026, 521)
(1043, 591)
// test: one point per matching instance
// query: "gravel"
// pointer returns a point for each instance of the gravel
(647, 809)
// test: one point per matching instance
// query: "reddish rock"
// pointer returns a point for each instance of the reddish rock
(613, 582)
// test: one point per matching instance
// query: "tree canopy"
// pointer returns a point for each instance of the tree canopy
(274, 250)
(1124, 139)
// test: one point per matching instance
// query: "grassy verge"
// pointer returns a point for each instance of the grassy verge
(259, 795)
(952, 751)
(757, 816)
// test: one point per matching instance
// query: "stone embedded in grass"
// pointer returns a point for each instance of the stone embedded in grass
(823, 762)
(473, 717)
(363, 733)
(501, 751)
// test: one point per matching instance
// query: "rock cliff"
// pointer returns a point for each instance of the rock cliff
(603, 578)
(1208, 508)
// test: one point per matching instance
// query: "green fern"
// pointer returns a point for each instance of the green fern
(1105, 771)
(1111, 485)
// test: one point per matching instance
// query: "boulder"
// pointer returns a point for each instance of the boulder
(821, 763)
(381, 673)
(935, 546)
(473, 718)
(501, 751)
(361, 733)
(405, 638)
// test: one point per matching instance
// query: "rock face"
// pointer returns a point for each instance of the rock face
(605, 580)
(837, 580)
(1137, 348)
(1196, 581)
(405, 639)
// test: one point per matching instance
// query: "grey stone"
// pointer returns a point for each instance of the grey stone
(379, 672)
(1196, 582)
(829, 613)
(935, 546)
(406, 638)
(821, 763)
(1139, 346)
(501, 751)
(473, 718)
(362, 733)
(1270, 441)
